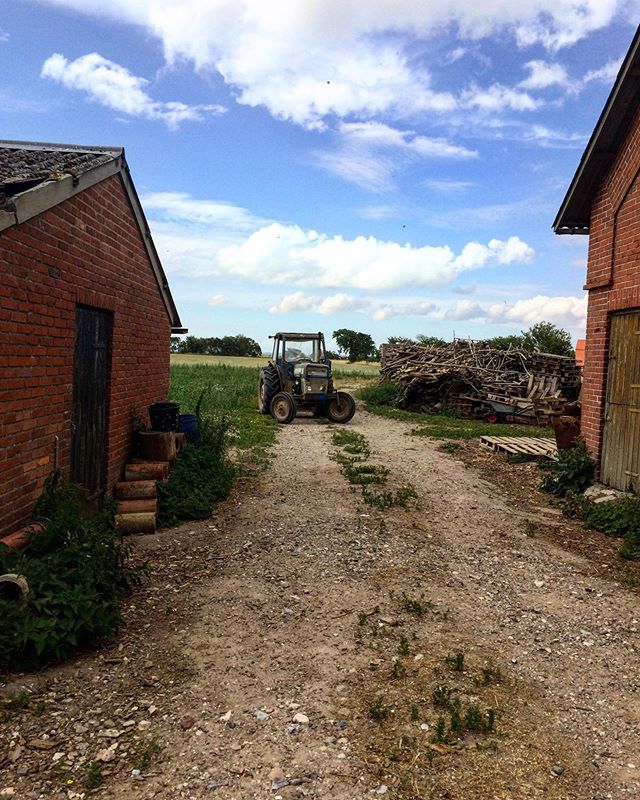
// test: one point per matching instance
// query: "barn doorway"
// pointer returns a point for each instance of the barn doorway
(91, 373)
(621, 442)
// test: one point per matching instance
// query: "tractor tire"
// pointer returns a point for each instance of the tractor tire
(341, 408)
(283, 408)
(269, 386)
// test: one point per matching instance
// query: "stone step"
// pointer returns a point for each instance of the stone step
(136, 490)
(149, 505)
(147, 471)
(136, 523)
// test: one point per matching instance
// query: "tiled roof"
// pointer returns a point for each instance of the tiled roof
(31, 163)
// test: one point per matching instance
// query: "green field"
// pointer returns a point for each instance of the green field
(344, 371)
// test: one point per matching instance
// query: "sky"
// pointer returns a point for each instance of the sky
(389, 167)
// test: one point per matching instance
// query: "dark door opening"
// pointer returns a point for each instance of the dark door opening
(91, 373)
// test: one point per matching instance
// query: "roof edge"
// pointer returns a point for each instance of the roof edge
(561, 225)
(154, 258)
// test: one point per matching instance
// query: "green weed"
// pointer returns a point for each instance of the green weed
(455, 662)
(93, 776)
(377, 710)
(573, 471)
(388, 498)
(145, 755)
(441, 695)
(403, 647)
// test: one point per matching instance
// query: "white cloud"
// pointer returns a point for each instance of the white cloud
(464, 309)
(218, 300)
(4, 36)
(421, 308)
(569, 311)
(307, 65)
(369, 153)
(115, 87)
(208, 238)
(288, 254)
(543, 74)
(496, 98)
(605, 74)
(447, 185)
(334, 304)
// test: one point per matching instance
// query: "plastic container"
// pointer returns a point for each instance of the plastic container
(189, 426)
(164, 416)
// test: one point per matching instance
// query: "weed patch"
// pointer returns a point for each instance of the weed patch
(352, 457)
(202, 476)
(77, 570)
(572, 472)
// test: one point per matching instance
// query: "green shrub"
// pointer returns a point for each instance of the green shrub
(617, 518)
(573, 471)
(384, 394)
(77, 571)
(201, 477)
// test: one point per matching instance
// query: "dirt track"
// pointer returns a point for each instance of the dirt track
(269, 610)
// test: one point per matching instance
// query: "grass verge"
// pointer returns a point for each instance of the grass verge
(382, 399)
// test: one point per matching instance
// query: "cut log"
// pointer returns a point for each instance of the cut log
(136, 523)
(158, 445)
(149, 506)
(180, 441)
(147, 471)
(136, 490)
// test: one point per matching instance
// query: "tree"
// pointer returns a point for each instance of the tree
(358, 346)
(400, 340)
(545, 337)
(505, 342)
(430, 341)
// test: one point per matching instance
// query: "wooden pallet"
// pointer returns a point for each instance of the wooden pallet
(529, 445)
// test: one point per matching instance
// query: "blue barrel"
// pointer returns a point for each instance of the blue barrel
(189, 426)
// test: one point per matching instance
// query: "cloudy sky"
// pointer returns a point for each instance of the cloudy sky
(392, 167)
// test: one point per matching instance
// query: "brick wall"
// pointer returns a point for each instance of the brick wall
(613, 274)
(86, 250)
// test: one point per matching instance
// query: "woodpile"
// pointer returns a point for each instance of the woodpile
(477, 381)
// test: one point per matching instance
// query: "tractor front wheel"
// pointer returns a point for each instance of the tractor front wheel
(283, 408)
(268, 388)
(341, 408)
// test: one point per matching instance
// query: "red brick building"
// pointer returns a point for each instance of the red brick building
(86, 317)
(603, 201)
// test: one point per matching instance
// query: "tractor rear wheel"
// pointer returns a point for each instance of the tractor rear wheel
(268, 387)
(341, 407)
(283, 408)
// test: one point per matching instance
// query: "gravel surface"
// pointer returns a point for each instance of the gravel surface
(253, 660)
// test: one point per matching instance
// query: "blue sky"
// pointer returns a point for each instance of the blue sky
(391, 167)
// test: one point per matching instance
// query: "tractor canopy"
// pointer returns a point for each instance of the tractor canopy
(290, 348)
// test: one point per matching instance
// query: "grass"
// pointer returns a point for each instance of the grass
(231, 391)
(381, 400)
(344, 372)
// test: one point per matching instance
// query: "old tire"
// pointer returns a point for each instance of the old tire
(283, 407)
(341, 408)
(268, 387)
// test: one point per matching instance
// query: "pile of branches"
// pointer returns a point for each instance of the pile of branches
(475, 379)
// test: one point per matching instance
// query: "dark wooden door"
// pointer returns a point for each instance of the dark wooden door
(91, 368)
(621, 444)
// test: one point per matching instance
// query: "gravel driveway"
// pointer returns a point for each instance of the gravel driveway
(302, 643)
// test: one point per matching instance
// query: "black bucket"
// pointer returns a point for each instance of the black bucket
(164, 416)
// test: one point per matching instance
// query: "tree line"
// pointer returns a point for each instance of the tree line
(216, 346)
(543, 337)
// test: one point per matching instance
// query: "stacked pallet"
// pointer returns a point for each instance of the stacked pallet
(476, 380)
(137, 493)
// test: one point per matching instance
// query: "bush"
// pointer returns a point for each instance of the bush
(77, 571)
(572, 472)
(617, 518)
(384, 394)
(202, 476)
